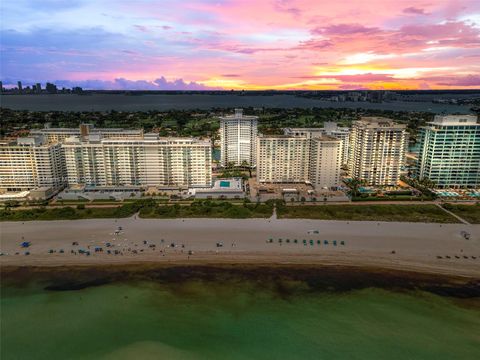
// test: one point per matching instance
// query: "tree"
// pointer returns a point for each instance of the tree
(11, 203)
(428, 183)
(230, 165)
(246, 166)
(354, 184)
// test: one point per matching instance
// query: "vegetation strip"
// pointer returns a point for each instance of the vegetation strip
(406, 213)
(149, 208)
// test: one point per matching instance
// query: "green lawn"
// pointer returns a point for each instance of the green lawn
(471, 213)
(407, 213)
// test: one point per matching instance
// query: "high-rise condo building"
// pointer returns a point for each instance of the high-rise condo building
(296, 159)
(151, 161)
(330, 128)
(377, 150)
(30, 163)
(450, 151)
(60, 134)
(238, 136)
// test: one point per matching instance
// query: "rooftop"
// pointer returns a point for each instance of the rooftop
(377, 121)
(455, 120)
(239, 115)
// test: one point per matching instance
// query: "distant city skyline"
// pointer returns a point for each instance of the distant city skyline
(241, 44)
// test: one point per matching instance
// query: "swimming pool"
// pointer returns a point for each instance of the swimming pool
(225, 184)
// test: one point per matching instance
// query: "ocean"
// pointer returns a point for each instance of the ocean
(202, 319)
(121, 102)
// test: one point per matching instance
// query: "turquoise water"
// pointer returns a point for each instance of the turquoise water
(225, 184)
(239, 320)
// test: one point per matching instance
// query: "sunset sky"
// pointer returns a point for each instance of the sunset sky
(242, 44)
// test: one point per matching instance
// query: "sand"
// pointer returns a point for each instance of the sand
(416, 246)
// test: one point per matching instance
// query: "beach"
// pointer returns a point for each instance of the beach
(418, 247)
(228, 288)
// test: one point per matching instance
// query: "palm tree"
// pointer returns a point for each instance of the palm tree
(230, 165)
(246, 166)
(427, 183)
(354, 184)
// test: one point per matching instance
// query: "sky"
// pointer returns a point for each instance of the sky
(242, 44)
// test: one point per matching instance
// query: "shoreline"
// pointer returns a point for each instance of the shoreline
(283, 278)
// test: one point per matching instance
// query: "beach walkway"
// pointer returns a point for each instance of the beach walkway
(454, 215)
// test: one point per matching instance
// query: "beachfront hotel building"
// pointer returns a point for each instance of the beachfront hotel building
(330, 128)
(151, 161)
(450, 151)
(52, 135)
(238, 136)
(299, 159)
(377, 150)
(30, 163)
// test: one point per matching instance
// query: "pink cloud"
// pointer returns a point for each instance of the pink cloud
(344, 29)
(414, 10)
(254, 44)
(469, 80)
(352, 87)
(368, 77)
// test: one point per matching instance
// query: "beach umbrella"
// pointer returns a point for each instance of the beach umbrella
(25, 244)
